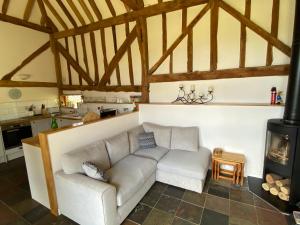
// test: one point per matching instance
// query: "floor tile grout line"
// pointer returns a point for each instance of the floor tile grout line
(15, 212)
(203, 209)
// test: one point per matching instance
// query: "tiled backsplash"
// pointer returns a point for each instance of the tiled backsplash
(17, 109)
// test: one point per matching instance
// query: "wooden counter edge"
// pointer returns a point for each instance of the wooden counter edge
(34, 141)
(79, 124)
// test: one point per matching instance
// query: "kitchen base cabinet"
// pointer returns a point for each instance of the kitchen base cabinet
(38, 126)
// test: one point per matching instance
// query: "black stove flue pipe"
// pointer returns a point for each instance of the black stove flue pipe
(292, 105)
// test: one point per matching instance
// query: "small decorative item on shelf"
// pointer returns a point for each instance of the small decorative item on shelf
(191, 98)
(218, 151)
(279, 98)
(54, 124)
(273, 95)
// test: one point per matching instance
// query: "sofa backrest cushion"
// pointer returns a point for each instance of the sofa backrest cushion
(133, 135)
(95, 153)
(162, 134)
(185, 138)
(117, 147)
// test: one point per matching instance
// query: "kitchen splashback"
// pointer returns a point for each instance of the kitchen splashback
(17, 109)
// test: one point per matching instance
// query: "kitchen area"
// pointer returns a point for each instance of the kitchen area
(31, 118)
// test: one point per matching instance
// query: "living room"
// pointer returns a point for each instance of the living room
(149, 112)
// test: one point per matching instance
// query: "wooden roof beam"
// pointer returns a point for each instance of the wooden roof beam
(76, 11)
(257, 29)
(28, 9)
(23, 23)
(125, 88)
(32, 56)
(55, 14)
(184, 33)
(148, 11)
(74, 64)
(9, 83)
(118, 56)
(222, 74)
(5, 6)
(49, 22)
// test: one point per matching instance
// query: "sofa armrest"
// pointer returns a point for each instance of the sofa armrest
(85, 200)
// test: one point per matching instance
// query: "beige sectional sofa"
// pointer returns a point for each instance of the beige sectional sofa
(177, 160)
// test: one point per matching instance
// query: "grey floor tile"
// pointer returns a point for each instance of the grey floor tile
(174, 192)
(189, 212)
(242, 214)
(140, 213)
(157, 217)
(217, 204)
(210, 217)
(267, 217)
(179, 221)
(218, 190)
(194, 197)
(243, 196)
(167, 204)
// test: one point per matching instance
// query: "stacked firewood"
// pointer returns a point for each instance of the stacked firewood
(277, 186)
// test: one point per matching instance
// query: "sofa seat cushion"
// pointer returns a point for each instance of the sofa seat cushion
(129, 175)
(186, 163)
(152, 153)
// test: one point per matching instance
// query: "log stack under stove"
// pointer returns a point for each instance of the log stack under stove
(277, 186)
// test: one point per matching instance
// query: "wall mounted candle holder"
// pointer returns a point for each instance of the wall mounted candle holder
(191, 97)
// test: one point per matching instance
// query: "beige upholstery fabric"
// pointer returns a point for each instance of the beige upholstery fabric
(117, 147)
(95, 153)
(185, 138)
(133, 135)
(185, 182)
(128, 176)
(85, 200)
(124, 210)
(186, 163)
(153, 153)
(162, 134)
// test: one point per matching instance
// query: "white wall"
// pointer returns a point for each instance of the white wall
(235, 128)
(238, 90)
(10, 109)
(16, 44)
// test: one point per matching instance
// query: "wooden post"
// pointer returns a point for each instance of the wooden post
(48, 173)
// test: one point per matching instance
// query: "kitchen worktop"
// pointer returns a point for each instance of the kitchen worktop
(32, 141)
(37, 117)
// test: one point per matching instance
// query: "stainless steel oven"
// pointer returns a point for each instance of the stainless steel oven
(13, 134)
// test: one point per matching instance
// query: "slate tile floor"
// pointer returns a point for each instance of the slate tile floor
(220, 204)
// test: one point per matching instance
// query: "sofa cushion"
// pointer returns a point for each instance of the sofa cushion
(162, 134)
(152, 153)
(147, 140)
(92, 171)
(133, 135)
(95, 153)
(186, 163)
(117, 147)
(185, 138)
(129, 175)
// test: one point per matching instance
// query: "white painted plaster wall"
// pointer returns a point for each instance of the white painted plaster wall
(235, 128)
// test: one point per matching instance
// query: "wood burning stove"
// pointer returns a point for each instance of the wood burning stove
(282, 155)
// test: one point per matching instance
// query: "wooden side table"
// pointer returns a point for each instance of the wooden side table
(237, 161)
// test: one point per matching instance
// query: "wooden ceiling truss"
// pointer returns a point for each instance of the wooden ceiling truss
(73, 42)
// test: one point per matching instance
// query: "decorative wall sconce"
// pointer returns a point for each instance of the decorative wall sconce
(192, 98)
